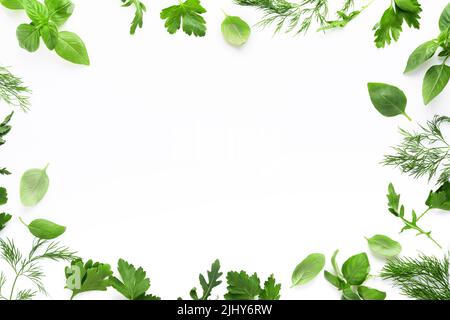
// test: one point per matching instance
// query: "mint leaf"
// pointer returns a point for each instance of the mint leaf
(242, 287)
(187, 14)
(271, 290)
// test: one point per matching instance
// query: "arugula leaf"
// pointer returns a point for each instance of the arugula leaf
(133, 284)
(138, 19)
(271, 290)
(4, 219)
(188, 14)
(207, 286)
(390, 26)
(242, 287)
(5, 128)
(87, 277)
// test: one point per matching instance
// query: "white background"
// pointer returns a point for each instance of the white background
(171, 151)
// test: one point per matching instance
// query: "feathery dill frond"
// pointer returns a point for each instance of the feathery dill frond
(422, 278)
(26, 294)
(13, 91)
(424, 153)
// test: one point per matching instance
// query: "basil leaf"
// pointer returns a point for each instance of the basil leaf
(45, 229)
(308, 269)
(49, 34)
(371, 294)
(356, 269)
(36, 11)
(59, 10)
(384, 246)
(421, 54)
(348, 294)
(71, 48)
(12, 4)
(235, 30)
(33, 186)
(435, 81)
(28, 36)
(334, 280)
(390, 101)
(444, 20)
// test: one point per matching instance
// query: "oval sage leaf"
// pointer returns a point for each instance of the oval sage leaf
(423, 53)
(384, 246)
(356, 269)
(435, 81)
(235, 30)
(45, 229)
(70, 47)
(367, 293)
(308, 269)
(389, 100)
(444, 20)
(33, 186)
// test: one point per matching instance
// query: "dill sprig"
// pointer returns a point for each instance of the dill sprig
(13, 91)
(28, 266)
(295, 16)
(422, 278)
(424, 153)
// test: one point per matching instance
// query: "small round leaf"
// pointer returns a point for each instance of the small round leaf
(33, 186)
(384, 246)
(235, 30)
(308, 269)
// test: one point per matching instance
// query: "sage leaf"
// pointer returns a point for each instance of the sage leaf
(308, 269)
(384, 246)
(49, 34)
(45, 229)
(389, 100)
(367, 293)
(356, 269)
(28, 36)
(421, 54)
(435, 81)
(12, 4)
(444, 20)
(59, 10)
(235, 30)
(33, 186)
(72, 48)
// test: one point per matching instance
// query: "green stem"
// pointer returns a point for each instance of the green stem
(407, 117)
(424, 213)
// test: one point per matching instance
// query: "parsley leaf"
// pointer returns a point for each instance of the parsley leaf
(242, 287)
(4, 218)
(271, 290)
(390, 26)
(3, 196)
(87, 277)
(207, 286)
(187, 13)
(138, 19)
(134, 283)
(440, 199)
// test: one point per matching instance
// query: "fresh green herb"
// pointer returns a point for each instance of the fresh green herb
(13, 91)
(399, 212)
(12, 4)
(46, 19)
(33, 186)
(44, 229)
(187, 14)
(384, 246)
(4, 172)
(133, 283)
(207, 286)
(235, 30)
(390, 101)
(390, 25)
(344, 16)
(241, 286)
(5, 128)
(439, 199)
(350, 280)
(308, 269)
(28, 266)
(422, 278)
(4, 219)
(138, 19)
(86, 277)
(424, 153)
(437, 76)
(295, 16)
(3, 196)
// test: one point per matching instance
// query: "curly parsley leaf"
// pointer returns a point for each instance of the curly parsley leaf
(213, 281)
(133, 283)
(241, 286)
(87, 277)
(271, 290)
(187, 14)
(138, 19)
(4, 219)
(390, 26)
